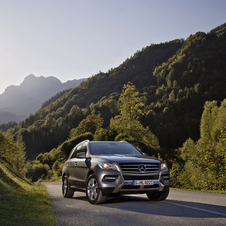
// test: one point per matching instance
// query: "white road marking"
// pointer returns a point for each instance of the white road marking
(195, 208)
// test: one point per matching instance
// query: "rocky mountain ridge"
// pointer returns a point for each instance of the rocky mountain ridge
(18, 102)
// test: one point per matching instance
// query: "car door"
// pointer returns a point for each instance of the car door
(72, 167)
(82, 167)
(77, 168)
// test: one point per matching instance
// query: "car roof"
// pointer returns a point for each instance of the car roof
(102, 141)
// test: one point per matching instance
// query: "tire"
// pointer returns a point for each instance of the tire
(158, 196)
(93, 193)
(67, 192)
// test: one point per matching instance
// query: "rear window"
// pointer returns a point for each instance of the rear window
(113, 148)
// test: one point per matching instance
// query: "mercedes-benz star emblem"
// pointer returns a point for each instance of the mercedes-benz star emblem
(142, 168)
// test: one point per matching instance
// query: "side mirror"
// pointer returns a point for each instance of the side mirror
(81, 155)
(145, 154)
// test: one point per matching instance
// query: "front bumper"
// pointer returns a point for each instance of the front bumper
(117, 182)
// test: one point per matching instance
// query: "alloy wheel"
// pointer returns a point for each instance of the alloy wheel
(92, 189)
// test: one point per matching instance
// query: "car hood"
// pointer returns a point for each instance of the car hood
(125, 159)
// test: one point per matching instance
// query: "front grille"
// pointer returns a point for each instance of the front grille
(141, 177)
(130, 187)
(139, 167)
(138, 187)
(152, 186)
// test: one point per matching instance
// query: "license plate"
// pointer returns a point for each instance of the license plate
(143, 182)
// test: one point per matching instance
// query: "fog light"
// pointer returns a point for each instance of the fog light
(110, 178)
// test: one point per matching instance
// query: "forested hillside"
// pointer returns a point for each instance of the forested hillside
(173, 81)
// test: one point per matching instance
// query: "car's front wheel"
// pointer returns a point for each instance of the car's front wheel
(67, 192)
(158, 196)
(93, 193)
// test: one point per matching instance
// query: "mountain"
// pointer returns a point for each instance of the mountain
(18, 102)
(174, 80)
(8, 117)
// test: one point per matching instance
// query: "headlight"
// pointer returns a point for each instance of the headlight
(163, 166)
(108, 166)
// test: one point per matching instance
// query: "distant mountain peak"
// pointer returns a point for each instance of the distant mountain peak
(30, 76)
(27, 98)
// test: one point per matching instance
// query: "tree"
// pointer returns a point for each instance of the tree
(90, 124)
(219, 122)
(12, 151)
(105, 134)
(207, 120)
(205, 160)
(127, 123)
(130, 109)
(172, 96)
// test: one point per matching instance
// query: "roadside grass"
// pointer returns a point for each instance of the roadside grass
(208, 191)
(54, 178)
(22, 202)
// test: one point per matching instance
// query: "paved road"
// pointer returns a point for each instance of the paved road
(180, 208)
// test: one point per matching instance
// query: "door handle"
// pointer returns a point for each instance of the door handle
(76, 163)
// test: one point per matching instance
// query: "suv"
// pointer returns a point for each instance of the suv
(106, 168)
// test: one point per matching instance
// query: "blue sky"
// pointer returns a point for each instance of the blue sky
(74, 39)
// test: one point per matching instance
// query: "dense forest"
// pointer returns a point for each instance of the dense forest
(162, 99)
(51, 125)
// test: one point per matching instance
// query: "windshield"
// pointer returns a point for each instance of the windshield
(113, 148)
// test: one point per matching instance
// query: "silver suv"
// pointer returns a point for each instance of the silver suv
(106, 168)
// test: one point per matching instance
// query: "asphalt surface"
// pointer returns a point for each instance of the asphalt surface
(180, 208)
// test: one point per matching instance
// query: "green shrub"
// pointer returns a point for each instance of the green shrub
(68, 145)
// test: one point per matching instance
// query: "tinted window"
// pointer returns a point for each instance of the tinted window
(113, 148)
(79, 149)
(84, 148)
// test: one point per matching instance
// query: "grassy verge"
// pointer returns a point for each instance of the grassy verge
(21, 202)
(209, 191)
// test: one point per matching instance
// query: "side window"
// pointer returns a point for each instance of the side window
(84, 147)
(74, 155)
(79, 149)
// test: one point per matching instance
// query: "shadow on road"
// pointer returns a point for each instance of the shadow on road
(137, 204)
(165, 208)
